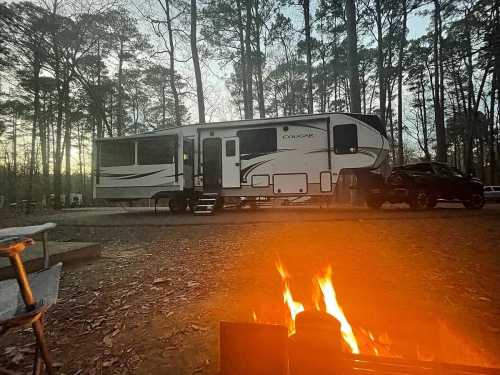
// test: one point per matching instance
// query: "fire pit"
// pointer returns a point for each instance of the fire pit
(316, 341)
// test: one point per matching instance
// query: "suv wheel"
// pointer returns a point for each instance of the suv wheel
(475, 201)
(431, 202)
(420, 200)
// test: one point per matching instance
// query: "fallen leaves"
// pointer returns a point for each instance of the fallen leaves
(161, 280)
(198, 328)
(108, 341)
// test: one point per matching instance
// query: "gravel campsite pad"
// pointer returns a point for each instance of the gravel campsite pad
(153, 302)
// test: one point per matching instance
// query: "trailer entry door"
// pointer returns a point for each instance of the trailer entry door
(231, 163)
(212, 164)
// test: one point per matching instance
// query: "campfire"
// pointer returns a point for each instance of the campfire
(316, 337)
(325, 299)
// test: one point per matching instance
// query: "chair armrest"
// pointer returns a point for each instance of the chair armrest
(14, 245)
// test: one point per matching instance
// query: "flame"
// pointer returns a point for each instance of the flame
(370, 342)
(294, 307)
(282, 270)
(333, 308)
(254, 316)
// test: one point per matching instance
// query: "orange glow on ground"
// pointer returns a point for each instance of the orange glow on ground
(387, 292)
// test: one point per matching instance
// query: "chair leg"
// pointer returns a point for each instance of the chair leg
(38, 364)
(42, 345)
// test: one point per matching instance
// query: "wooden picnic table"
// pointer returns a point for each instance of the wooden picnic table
(30, 231)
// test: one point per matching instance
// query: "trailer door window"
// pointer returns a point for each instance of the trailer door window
(157, 150)
(345, 139)
(231, 148)
(257, 141)
(117, 153)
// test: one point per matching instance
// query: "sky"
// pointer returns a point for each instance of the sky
(219, 103)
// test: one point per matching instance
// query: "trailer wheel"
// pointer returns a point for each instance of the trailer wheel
(219, 203)
(177, 204)
(191, 203)
(374, 201)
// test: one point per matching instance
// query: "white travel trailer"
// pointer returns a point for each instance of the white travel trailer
(202, 164)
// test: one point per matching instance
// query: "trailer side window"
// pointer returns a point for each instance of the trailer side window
(345, 139)
(258, 141)
(158, 150)
(117, 153)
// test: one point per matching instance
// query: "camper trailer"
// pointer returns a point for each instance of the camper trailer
(203, 164)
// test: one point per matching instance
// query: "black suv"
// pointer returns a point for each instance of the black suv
(421, 185)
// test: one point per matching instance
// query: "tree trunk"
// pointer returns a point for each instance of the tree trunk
(164, 108)
(171, 55)
(491, 145)
(13, 190)
(100, 100)
(307, 29)
(352, 56)
(14, 143)
(324, 83)
(249, 60)
(258, 52)
(67, 143)
(196, 64)
(243, 62)
(402, 44)
(380, 61)
(57, 147)
(391, 123)
(119, 114)
(438, 105)
(36, 119)
(424, 120)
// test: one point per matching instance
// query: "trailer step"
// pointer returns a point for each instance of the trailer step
(205, 205)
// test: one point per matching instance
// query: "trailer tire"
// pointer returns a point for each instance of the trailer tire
(177, 205)
(191, 203)
(219, 203)
(374, 202)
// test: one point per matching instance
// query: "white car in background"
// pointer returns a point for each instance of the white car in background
(492, 193)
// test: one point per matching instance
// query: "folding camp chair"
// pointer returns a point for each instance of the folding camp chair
(24, 300)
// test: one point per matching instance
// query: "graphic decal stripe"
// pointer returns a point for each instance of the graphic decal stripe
(141, 175)
(245, 171)
(257, 154)
(115, 174)
(301, 124)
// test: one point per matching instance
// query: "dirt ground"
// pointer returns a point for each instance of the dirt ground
(425, 284)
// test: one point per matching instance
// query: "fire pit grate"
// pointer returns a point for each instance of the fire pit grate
(266, 349)
(364, 364)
